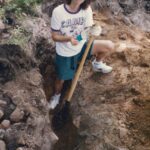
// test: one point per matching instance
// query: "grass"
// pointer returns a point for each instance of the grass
(20, 6)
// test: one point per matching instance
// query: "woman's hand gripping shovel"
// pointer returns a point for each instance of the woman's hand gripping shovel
(61, 117)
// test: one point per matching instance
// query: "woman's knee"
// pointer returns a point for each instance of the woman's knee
(111, 45)
(104, 44)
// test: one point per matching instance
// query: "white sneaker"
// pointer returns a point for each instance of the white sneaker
(101, 67)
(54, 101)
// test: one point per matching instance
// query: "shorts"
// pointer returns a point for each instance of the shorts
(66, 66)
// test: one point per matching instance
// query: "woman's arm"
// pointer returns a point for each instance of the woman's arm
(57, 37)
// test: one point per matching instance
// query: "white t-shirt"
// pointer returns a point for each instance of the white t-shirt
(70, 24)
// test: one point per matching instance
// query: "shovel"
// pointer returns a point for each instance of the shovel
(61, 117)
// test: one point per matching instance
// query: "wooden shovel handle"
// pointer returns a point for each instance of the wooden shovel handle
(75, 80)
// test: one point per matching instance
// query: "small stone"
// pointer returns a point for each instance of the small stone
(2, 2)
(24, 14)
(19, 148)
(5, 124)
(12, 106)
(127, 21)
(122, 36)
(2, 145)
(53, 137)
(82, 103)
(21, 141)
(102, 98)
(17, 99)
(2, 133)
(104, 32)
(109, 122)
(5, 35)
(123, 132)
(2, 26)
(77, 121)
(3, 103)
(17, 115)
(110, 146)
(1, 114)
(123, 149)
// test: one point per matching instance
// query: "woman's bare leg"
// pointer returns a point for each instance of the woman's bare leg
(58, 86)
(101, 48)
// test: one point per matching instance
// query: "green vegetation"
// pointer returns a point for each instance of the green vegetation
(2, 12)
(18, 10)
(19, 36)
(19, 6)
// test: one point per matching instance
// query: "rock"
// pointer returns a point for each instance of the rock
(5, 124)
(127, 21)
(2, 133)
(140, 18)
(122, 36)
(2, 26)
(2, 2)
(3, 103)
(6, 35)
(17, 115)
(19, 148)
(104, 32)
(1, 114)
(109, 122)
(54, 137)
(23, 148)
(76, 121)
(17, 99)
(123, 132)
(21, 141)
(2, 145)
(110, 146)
(123, 149)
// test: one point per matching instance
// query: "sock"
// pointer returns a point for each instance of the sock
(95, 61)
(57, 95)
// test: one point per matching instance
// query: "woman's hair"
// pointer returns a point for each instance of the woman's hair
(84, 5)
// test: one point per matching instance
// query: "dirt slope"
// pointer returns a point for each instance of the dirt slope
(111, 112)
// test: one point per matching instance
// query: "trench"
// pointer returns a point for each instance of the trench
(69, 138)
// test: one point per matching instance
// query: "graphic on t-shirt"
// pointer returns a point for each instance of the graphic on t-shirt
(71, 26)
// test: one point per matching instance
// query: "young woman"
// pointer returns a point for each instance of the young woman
(67, 22)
